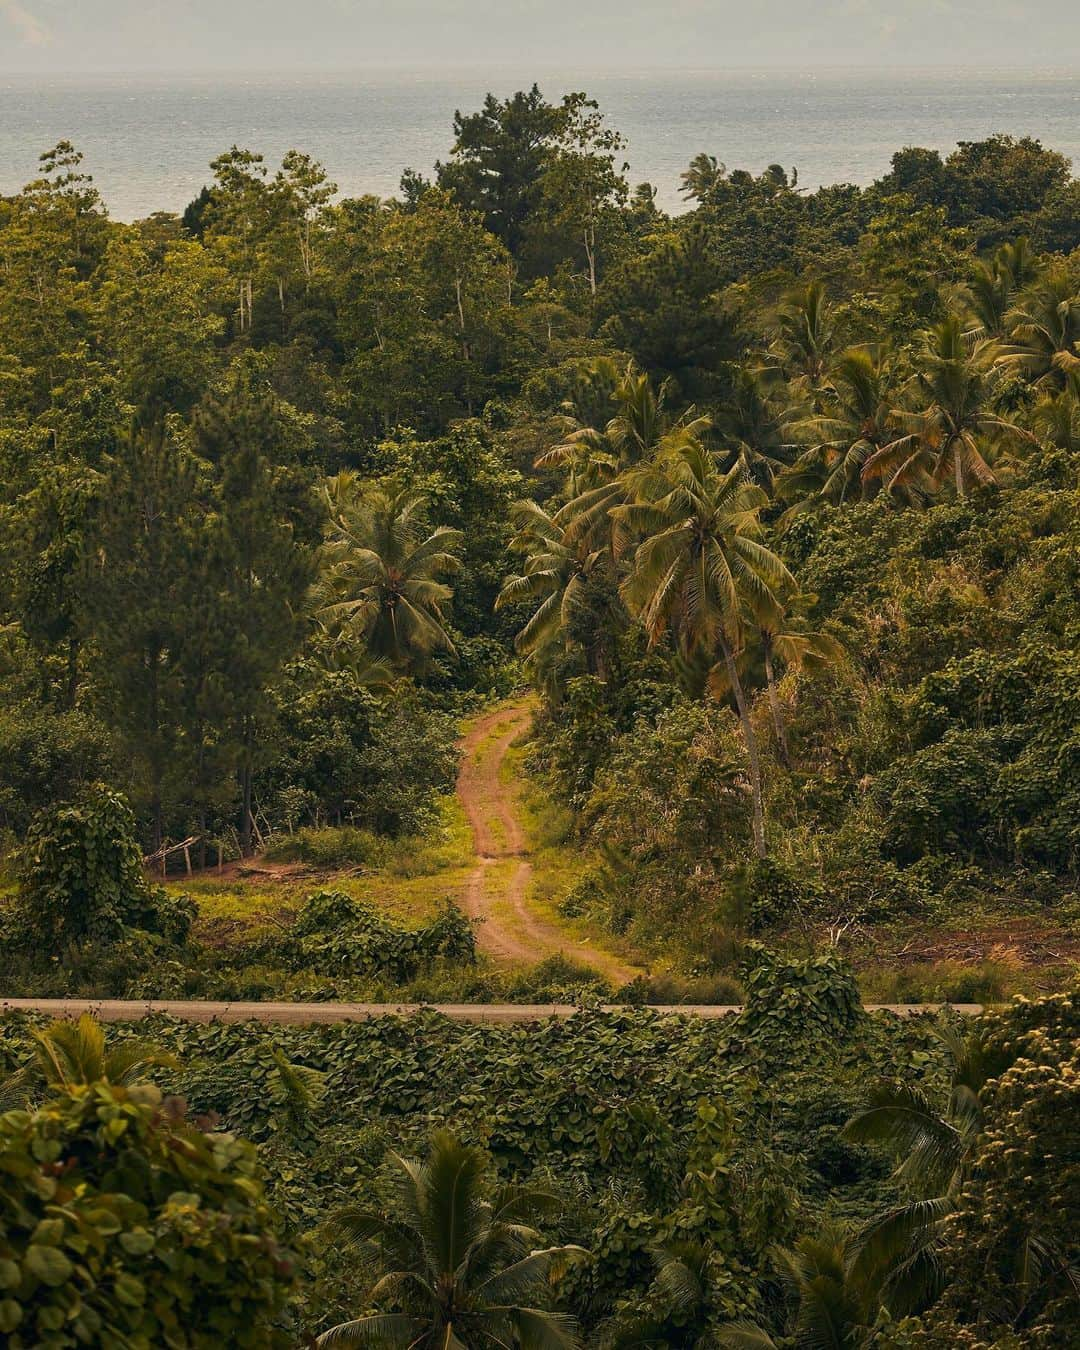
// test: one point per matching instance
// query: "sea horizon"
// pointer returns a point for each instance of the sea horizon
(366, 126)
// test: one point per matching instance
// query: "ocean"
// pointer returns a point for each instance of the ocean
(148, 141)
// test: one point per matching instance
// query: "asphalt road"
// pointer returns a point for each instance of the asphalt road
(307, 1014)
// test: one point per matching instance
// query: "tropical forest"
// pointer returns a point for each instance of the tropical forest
(540, 753)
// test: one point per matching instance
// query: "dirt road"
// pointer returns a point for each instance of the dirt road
(498, 890)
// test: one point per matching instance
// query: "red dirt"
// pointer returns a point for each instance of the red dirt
(499, 835)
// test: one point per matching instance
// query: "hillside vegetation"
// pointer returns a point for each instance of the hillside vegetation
(765, 518)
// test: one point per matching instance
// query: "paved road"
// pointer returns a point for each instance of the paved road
(305, 1014)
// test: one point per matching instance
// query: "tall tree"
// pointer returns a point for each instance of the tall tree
(381, 571)
(573, 584)
(854, 424)
(1044, 330)
(806, 332)
(945, 435)
(137, 598)
(263, 569)
(702, 569)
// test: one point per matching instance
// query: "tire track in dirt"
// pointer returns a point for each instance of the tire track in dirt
(501, 845)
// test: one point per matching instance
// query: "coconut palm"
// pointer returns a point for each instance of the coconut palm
(1056, 417)
(65, 1054)
(941, 438)
(787, 635)
(572, 583)
(896, 1255)
(381, 572)
(701, 568)
(703, 179)
(831, 1308)
(754, 423)
(806, 334)
(995, 285)
(596, 459)
(459, 1268)
(1044, 330)
(855, 425)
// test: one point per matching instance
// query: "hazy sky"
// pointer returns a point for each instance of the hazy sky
(62, 36)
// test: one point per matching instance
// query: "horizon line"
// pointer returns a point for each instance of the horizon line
(538, 71)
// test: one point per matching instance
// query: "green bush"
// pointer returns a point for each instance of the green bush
(122, 1226)
(347, 756)
(337, 935)
(47, 757)
(811, 1004)
(764, 894)
(344, 846)
(82, 879)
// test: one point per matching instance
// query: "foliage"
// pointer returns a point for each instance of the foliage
(458, 1266)
(122, 1224)
(341, 936)
(83, 879)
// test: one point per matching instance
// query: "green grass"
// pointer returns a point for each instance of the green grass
(413, 877)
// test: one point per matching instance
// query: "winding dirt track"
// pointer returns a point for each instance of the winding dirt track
(498, 890)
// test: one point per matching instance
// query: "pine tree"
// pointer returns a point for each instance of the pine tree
(136, 597)
(263, 571)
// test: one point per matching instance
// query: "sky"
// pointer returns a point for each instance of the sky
(61, 37)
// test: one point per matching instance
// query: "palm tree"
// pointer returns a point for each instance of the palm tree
(703, 179)
(755, 420)
(702, 568)
(1056, 417)
(459, 1269)
(1044, 330)
(66, 1054)
(381, 571)
(941, 438)
(787, 634)
(685, 1270)
(571, 582)
(831, 1310)
(896, 1255)
(995, 284)
(807, 331)
(596, 459)
(855, 426)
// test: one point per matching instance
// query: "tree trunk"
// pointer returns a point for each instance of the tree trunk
(245, 810)
(590, 254)
(72, 671)
(774, 702)
(959, 468)
(157, 769)
(751, 749)
(461, 318)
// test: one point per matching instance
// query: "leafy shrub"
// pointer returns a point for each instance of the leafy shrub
(764, 894)
(942, 796)
(1012, 1247)
(790, 1003)
(343, 846)
(585, 896)
(122, 1225)
(48, 756)
(336, 934)
(558, 979)
(347, 756)
(83, 878)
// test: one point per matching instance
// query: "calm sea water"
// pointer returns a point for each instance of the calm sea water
(148, 141)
